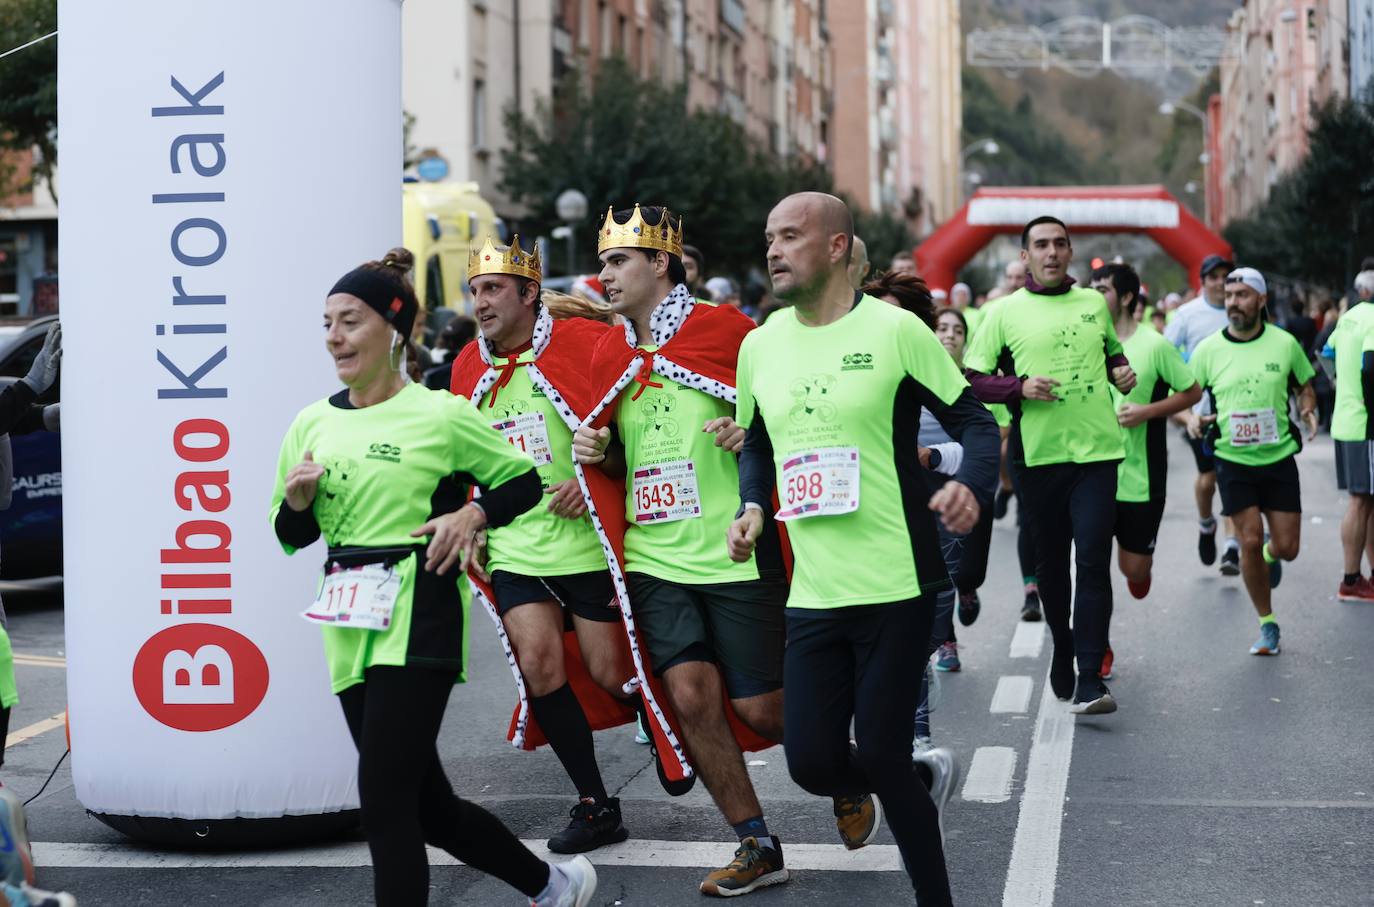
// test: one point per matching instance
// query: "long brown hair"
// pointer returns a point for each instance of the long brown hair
(910, 292)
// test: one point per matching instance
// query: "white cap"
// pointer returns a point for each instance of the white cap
(1251, 278)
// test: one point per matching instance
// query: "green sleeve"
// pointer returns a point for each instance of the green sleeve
(744, 394)
(1114, 347)
(1197, 364)
(289, 456)
(926, 359)
(1170, 366)
(986, 345)
(480, 450)
(1302, 366)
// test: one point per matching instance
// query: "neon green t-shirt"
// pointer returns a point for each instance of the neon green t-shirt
(835, 391)
(664, 442)
(1250, 382)
(1159, 370)
(1349, 417)
(973, 318)
(538, 543)
(1000, 413)
(388, 469)
(1067, 338)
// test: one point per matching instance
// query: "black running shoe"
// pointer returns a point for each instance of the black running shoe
(1230, 561)
(1092, 697)
(1207, 547)
(999, 503)
(593, 825)
(1030, 611)
(969, 607)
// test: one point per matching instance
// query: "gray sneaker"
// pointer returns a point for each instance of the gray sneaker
(944, 773)
(1268, 642)
(576, 883)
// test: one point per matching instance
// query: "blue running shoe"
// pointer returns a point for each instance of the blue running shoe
(24, 896)
(1268, 642)
(16, 856)
(641, 735)
(947, 657)
(1275, 567)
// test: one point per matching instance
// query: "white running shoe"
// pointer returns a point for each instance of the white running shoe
(576, 884)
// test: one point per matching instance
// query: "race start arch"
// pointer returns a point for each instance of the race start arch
(1150, 210)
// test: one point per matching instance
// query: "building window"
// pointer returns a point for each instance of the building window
(604, 15)
(479, 115)
(622, 37)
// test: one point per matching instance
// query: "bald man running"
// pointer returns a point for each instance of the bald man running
(831, 392)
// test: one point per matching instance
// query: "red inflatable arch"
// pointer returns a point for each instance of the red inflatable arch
(1151, 210)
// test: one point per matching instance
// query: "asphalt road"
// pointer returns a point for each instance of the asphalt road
(1223, 779)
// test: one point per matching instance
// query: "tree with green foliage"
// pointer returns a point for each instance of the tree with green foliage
(1318, 222)
(620, 139)
(28, 87)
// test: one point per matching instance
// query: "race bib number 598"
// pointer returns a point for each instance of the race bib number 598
(821, 482)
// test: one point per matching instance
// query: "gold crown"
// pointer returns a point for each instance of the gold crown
(493, 259)
(637, 234)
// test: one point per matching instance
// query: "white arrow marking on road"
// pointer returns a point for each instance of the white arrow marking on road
(990, 774)
(1028, 640)
(1035, 849)
(1012, 696)
(677, 854)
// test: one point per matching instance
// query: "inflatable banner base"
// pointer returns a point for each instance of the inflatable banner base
(235, 834)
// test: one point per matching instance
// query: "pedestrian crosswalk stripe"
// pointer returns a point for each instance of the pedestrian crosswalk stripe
(990, 775)
(1012, 696)
(1028, 640)
(658, 854)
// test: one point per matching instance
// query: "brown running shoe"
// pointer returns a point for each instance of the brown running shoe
(756, 865)
(858, 819)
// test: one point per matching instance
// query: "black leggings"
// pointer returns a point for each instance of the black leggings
(857, 663)
(972, 568)
(1072, 506)
(394, 717)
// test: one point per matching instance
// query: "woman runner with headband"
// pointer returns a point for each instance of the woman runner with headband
(378, 468)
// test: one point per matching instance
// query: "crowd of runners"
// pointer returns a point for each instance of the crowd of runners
(728, 536)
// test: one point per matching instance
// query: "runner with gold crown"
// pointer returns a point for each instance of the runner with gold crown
(659, 456)
(545, 581)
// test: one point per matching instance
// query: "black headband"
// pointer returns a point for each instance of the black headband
(385, 295)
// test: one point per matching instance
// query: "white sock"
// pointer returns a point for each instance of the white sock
(558, 883)
(1232, 542)
(1208, 525)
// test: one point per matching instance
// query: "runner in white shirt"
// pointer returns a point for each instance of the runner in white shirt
(1197, 320)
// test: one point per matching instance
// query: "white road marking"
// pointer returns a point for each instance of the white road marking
(990, 774)
(1028, 640)
(35, 729)
(1035, 849)
(1012, 695)
(676, 854)
(40, 661)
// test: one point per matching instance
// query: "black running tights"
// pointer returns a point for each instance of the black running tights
(1072, 508)
(863, 663)
(394, 717)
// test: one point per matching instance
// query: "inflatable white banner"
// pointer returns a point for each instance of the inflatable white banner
(221, 165)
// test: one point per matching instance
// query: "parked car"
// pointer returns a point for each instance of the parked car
(31, 529)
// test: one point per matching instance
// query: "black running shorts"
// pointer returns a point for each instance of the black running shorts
(1273, 486)
(1137, 525)
(1355, 466)
(739, 627)
(588, 595)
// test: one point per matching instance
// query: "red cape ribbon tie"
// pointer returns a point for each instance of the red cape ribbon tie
(645, 377)
(507, 371)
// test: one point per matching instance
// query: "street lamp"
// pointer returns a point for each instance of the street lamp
(987, 146)
(1170, 108)
(571, 206)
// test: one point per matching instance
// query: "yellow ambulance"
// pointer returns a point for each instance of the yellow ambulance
(440, 222)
